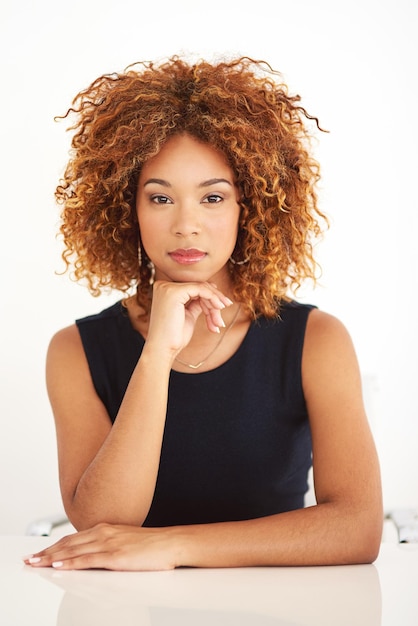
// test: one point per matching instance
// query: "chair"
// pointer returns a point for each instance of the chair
(406, 524)
(46, 526)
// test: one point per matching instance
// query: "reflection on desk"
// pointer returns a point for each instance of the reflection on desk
(230, 597)
(381, 594)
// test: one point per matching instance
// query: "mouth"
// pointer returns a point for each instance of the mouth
(187, 256)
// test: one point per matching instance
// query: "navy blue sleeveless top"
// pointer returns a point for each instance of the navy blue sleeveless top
(237, 441)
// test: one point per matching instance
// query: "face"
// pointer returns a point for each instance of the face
(188, 212)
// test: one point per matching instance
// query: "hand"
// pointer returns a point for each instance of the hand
(113, 547)
(177, 306)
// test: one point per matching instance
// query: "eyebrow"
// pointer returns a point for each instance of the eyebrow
(214, 181)
(158, 181)
(205, 183)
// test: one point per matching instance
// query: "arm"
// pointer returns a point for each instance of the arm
(346, 524)
(343, 528)
(108, 474)
(99, 465)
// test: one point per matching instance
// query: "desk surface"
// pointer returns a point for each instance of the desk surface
(382, 594)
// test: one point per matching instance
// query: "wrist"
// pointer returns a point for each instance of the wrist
(181, 542)
(154, 355)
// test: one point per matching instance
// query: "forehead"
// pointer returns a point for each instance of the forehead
(183, 155)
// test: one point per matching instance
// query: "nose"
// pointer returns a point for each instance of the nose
(186, 220)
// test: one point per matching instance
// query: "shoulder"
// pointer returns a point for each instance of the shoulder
(101, 333)
(65, 347)
(293, 308)
(288, 313)
(329, 361)
(290, 321)
(68, 345)
(66, 366)
(111, 313)
(70, 336)
(325, 332)
(65, 339)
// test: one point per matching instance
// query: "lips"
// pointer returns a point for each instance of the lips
(187, 256)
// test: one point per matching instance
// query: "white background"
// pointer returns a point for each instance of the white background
(353, 62)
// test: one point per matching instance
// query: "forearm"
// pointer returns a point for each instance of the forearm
(326, 534)
(118, 485)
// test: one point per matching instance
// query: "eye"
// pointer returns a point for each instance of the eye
(213, 198)
(160, 199)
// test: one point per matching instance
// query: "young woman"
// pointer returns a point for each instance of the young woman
(189, 413)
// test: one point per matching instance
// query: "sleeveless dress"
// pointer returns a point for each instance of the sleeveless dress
(237, 442)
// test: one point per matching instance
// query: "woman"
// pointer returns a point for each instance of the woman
(188, 415)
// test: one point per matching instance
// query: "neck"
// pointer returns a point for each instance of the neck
(195, 365)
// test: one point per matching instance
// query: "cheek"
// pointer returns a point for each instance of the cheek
(228, 227)
(148, 230)
(149, 221)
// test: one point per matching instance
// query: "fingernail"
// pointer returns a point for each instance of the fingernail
(34, 559)
(229, 301)
(57, 564)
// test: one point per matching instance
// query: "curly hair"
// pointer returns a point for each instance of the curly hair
(240, 108)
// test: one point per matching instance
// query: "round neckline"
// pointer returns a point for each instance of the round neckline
(141, 340)
(221, 365)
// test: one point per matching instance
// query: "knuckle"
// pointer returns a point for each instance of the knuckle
(65, 541)
(105, 529)
(89, 560)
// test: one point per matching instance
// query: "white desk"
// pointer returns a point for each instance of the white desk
(383, 594)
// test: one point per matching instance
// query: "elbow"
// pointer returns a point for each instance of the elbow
(78, 521)
(84, 520)
(367, 554)
(371, 550)
(366, 539)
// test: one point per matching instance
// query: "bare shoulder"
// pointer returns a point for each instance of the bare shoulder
(72, 393)
(329, 360)
(326, 334)
(323, 326)
(66, 362)
(65, 350)
(64, 339)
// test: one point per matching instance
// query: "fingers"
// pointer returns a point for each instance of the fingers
(194, 298)
(211, 302)
(84, 559)
(191, 291)
(207, 292)
(107, 546)
(214, 319)
(83, 550)
(62, 549)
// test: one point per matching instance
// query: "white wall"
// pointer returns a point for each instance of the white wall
(354, 64)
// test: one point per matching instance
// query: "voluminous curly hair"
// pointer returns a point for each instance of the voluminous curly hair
(239, 107)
